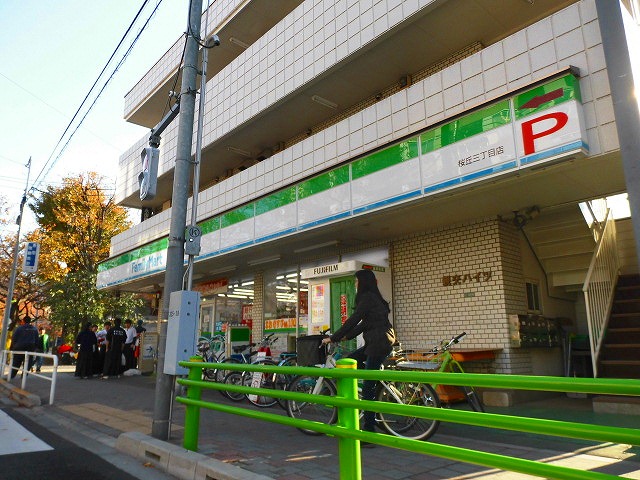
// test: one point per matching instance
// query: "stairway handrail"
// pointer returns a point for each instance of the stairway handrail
(599, 296)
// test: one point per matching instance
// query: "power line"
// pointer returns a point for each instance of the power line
(50, 106)
(49, 163)
(17, 162)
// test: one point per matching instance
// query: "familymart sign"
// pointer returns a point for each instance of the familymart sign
(541, 124)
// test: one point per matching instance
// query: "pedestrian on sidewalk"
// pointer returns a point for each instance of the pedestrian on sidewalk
(43, 347)
(116, 338)
(87, 342)
(24, 339)
(139, 331)
(101, 336)
(129, 345)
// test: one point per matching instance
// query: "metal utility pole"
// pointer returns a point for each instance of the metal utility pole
(625, 104)
(213, 41)
(12, 278)
(175, 250)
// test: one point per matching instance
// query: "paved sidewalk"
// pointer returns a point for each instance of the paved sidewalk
(103, 409)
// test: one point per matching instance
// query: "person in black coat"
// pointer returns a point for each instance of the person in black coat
(371, 318)
(115, 340)
(24, 339)
(88, 343)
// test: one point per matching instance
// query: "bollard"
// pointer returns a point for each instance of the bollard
(349, 418)
(192, 412)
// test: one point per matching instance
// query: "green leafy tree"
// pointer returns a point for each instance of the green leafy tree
(76, 222)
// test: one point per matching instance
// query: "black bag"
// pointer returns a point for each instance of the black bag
(309, 351)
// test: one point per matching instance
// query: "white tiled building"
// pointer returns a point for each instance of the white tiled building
(449, 142)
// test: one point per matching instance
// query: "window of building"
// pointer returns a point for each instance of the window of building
(224, 303)
(284, 295)
(533, 297)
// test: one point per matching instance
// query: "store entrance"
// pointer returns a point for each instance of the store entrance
(343, 301)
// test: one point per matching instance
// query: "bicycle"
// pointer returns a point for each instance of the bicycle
(212, 350)
(442, 357)
(260, 356)
(278, 381)
(281, 381)
(395, 392)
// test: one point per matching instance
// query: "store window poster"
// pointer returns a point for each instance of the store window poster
(317, 303)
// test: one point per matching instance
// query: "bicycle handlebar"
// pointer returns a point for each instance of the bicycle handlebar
(459, 337)
(445, 345)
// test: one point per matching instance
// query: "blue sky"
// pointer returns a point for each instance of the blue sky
(51, 53)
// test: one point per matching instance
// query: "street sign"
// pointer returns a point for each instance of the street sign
(192, 245)
(31, 255)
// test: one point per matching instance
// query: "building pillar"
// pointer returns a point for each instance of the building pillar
(257, 310)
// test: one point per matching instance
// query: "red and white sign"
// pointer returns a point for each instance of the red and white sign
(219, 285)
(552, 132)
(343, 308)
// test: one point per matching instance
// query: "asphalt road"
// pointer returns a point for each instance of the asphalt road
(64, 461)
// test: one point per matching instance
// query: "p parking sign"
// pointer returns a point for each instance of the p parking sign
(31, 254)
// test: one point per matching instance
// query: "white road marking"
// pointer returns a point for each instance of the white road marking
(14, 438)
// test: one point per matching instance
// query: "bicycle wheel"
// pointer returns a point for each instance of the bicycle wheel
(312, 411)
(221, 373)
(282, 381)
(235, 378)
(472, 396)
(209, 373)
(420, 394)
(261, 380)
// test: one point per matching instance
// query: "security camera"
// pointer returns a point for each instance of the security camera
(212, 41)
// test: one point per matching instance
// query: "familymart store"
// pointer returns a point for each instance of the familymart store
(466, 274)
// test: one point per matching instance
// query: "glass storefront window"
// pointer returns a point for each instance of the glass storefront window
(285, 296)
(225, 303)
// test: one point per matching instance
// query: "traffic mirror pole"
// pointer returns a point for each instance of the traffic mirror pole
(14, 268)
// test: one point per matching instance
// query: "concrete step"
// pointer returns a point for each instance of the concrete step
(627, 305)
(624, 320)
(557, 234)
(568, 262)
(623, 335)
(628, 281)
(619, 369)
(616, 405)
(620, 352)
(629, 292)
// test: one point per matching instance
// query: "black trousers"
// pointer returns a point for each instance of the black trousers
(128, 355)
(368, 362)
(85, 364)
(112, 362)
(17, 362)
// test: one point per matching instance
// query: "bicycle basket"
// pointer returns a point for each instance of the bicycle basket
(308, 350)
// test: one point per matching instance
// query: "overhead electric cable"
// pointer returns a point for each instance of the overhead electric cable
(46, 168)
(117, 67)
(175, 79)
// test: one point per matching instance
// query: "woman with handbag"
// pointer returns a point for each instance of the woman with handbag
(371, 318)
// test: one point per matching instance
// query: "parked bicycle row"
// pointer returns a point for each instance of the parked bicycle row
(312, 351)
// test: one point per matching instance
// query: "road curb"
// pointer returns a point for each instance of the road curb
(179, 462)
(18, 395)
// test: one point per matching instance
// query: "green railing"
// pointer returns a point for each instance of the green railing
(349, 435)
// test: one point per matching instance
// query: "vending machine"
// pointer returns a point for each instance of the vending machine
(332, 293)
